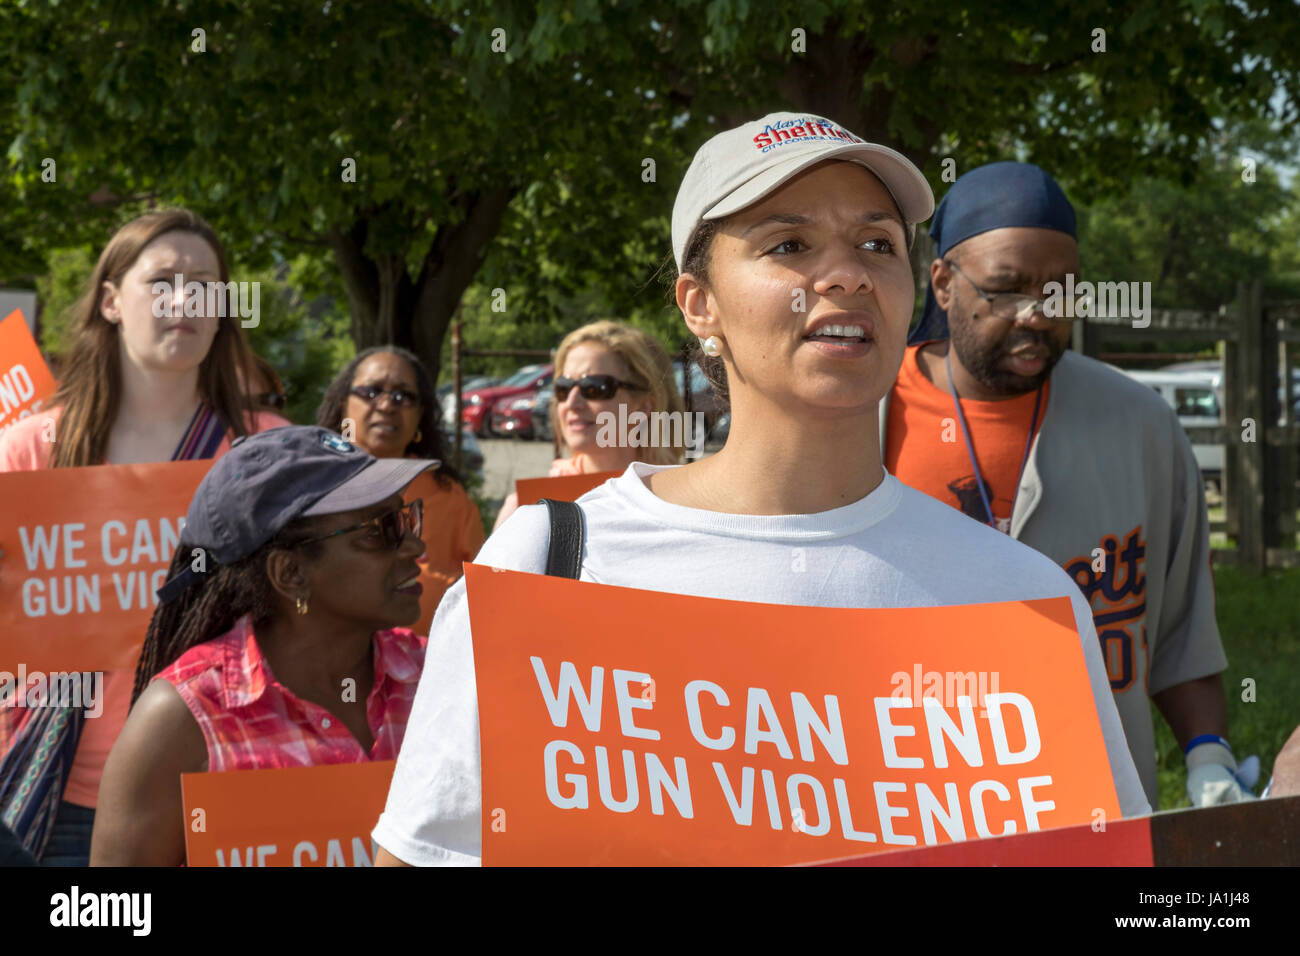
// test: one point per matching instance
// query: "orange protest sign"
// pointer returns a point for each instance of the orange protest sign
(25, 380)
(278, 817)
(667, 729)
(562, 488)
(83, 557)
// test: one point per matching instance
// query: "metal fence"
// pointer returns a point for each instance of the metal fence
(1260, 437)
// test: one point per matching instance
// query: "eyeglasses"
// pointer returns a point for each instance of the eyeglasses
(274, 400)
(593, 387)
(391, 527)
(1018, 307)
(400, 396)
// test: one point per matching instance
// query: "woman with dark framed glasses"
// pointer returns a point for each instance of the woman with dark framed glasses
(603, 366)
(384, 400)
(281, 638)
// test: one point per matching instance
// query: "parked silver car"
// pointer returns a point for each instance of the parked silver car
(1197, 396)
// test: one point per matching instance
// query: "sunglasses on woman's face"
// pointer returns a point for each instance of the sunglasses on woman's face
(391, 527)
(400, 396)
(593, 387)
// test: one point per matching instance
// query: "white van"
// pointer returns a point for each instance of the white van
(1197, 396)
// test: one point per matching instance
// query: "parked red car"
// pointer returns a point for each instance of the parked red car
(513, 415)
(476, 411)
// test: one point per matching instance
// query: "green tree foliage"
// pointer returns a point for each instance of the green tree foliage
(306, 342)
(510, 138)
(58, 291)
(1192, 243)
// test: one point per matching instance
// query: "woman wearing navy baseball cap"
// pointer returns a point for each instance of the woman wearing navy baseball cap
(791, 239)
(279, 639)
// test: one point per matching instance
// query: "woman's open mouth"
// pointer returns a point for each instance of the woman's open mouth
(841, 341)
(411, 586)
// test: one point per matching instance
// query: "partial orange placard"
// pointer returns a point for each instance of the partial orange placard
(1118, 843)
(85, 551)
(25, 380)
(667, 729)
(299, 816)
(529, 491)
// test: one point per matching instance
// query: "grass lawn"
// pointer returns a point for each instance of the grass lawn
(1259, 619)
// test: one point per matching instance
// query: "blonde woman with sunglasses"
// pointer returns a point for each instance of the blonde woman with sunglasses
(608, 373)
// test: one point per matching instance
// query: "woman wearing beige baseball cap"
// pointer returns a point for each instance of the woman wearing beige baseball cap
(791, 235)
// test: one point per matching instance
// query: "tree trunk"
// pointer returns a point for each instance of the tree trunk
(830, 84)
(388, 307)
(449, 268)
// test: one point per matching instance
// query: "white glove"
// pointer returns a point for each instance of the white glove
(1214, 778)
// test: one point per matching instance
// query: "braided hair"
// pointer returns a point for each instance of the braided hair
(213, 605)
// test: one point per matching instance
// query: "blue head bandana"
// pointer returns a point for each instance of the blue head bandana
(996, 196)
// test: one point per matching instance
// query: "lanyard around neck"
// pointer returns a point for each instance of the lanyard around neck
(970, 448)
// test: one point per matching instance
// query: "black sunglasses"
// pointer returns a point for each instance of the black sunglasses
(593, 387)
(391, 526)
(275, 400)
(400, 396)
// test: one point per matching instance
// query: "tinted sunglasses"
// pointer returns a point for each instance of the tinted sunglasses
(593, 387)
(391, 527)
(400, 396)
(274, 400)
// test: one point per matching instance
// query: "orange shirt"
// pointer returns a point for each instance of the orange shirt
(25, 447)
(452, 534)
(924, 446)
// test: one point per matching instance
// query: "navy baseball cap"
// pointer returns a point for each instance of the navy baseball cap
(267, 480)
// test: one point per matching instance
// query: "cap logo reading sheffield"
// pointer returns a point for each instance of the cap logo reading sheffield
(336, 444)
(806, 128)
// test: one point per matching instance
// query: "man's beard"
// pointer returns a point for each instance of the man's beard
(984, 364)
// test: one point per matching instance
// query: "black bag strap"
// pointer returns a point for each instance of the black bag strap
(564, 556)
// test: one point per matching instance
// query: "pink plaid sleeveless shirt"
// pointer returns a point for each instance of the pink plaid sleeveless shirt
(252, 722)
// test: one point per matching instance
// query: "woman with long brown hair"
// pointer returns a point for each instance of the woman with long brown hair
(144, 380)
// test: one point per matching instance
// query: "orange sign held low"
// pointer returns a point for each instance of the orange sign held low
(25, 380)
(720, 732)
(300, 816)
(529, 491)
(85, 551)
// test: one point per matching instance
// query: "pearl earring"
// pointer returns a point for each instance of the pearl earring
(712, 345)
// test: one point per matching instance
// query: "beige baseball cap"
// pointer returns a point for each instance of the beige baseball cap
(739, 167)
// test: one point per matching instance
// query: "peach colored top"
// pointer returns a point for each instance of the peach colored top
(567, 466)
(452, 534)
(24, 448)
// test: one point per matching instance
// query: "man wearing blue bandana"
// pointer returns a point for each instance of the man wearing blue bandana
(992, 415)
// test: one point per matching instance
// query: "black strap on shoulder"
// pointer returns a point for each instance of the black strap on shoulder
(564, 557)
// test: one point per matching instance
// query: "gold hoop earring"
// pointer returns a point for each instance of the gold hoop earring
(418, 435)
(302, 606)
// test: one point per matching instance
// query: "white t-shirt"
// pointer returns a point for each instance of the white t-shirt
(894, 548)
